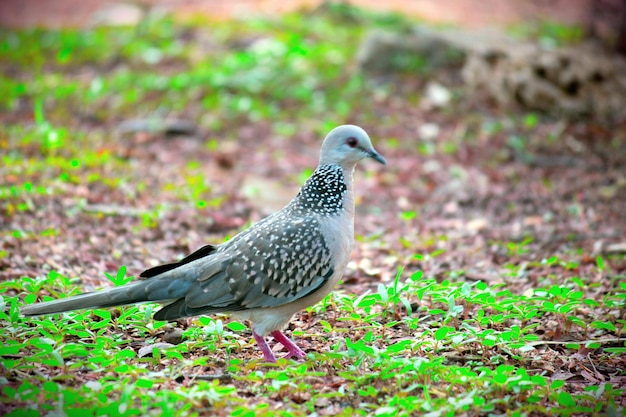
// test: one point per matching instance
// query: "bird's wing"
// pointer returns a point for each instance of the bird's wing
(271, 264)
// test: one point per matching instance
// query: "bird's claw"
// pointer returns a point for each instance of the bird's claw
(295, 354)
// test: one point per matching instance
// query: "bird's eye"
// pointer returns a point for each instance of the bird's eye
(352, 141)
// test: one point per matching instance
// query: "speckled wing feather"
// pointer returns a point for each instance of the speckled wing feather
(278, 261)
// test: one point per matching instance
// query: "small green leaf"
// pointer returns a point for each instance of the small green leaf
(600, 263)
(566, 400)
(10, 392)
(144, 383)
(235, 326)
(124, 354)
(556, 384)
(539, 380)
(408, 215)
(50, 386)
(500, 378)
(606, 325)
(441, 333)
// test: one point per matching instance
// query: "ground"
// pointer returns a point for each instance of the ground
(488, 271)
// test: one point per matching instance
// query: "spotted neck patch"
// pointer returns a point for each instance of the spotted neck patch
(323, 192)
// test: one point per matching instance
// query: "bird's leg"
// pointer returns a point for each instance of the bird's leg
(294, 350)
(267, 352)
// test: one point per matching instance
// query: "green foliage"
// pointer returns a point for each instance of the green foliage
(309, 53)
(407, 375)
(416, 345)
(549, 33)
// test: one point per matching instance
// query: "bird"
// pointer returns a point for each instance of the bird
(277, 267)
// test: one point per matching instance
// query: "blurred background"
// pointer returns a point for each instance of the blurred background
(138, 111)
(63, 13)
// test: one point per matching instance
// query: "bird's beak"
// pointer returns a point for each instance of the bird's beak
(377, 157)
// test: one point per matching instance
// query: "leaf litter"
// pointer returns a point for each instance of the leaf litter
(462, 207)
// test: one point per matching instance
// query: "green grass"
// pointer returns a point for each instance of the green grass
(415, 346)
(549, 34)
(440, 345)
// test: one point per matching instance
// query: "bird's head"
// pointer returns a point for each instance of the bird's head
(346, 145)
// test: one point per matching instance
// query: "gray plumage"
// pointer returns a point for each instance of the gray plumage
(281, 265)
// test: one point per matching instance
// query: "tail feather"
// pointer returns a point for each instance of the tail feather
(158, 270)
(166, 284)
(118, 296)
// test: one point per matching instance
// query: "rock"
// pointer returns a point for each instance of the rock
(385, 51)
(573, 82)
(428, 131)
(147, 350)
(436, 95)
(173, 335)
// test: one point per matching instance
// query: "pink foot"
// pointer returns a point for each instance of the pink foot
(267, 352)
(294, 350)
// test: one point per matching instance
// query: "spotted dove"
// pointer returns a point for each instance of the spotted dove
(265, 274)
